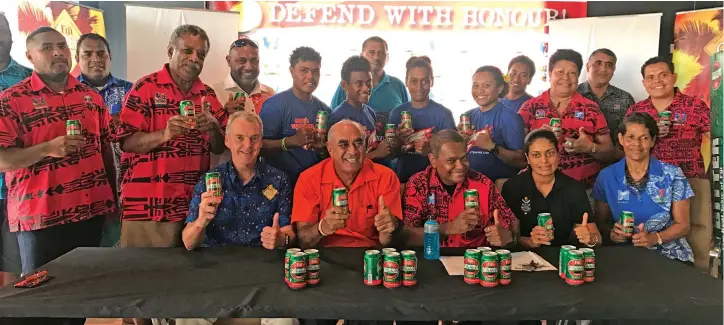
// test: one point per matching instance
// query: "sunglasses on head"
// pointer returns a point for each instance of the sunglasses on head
(244, 42)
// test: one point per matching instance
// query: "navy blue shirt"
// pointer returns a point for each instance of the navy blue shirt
(389, 93)
(364, 116)
(11, 75)
(282, 114)
(246, 208)
(433, 116)
(113, 92)
(507, 131)
(515, 105)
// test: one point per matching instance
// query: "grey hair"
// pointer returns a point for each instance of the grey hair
(191, 30)
(333, 129)
(442, 137)
(247, 116)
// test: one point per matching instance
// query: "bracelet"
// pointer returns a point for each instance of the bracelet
(594, 243)
(319, 228)
(661, 242)
(284, 146)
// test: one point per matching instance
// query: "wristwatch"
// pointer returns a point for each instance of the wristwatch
(495, 149)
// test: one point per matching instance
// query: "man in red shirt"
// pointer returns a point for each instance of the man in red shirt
(373, 211)
(679, 141)
(165, 153)
(58, 184)
(438, 191)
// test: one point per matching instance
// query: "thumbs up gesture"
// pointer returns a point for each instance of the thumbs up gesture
(643, 238)
(385, 222)
(496, 234)
(584, 232)
(272, 237)
(581, 145)
(204, 120)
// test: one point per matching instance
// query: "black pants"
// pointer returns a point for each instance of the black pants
(9, 250)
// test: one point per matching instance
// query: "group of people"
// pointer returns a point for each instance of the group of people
(401, 158)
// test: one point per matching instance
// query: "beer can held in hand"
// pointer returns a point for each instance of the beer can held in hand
(213, 183)
(390, 133)
(546, 221)
(471, 198)
(186, 108)
(73, 127)
(627, 222)
(320, 124)
(339, 197)
(406, 120)
(465, 124)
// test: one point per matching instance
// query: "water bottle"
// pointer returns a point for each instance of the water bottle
(432, 240)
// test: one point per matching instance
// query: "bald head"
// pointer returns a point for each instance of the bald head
(347, 126)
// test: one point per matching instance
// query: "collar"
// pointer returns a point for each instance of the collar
(37, 84)
(366, 174)
(164, 78)
(557, 184)
(234, 175)
(677, 96)
(111, 81)
(385, 78)
(11, 65)
(656, 168)
(585, 88)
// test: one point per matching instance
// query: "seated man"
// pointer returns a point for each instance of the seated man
(373, 212)
(254, 204)
(439, 190)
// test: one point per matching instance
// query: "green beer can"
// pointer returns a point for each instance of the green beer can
(484, 249)
(665, 117)
(297, 270)
(213, 183)
(409, 268)
(465, 124)
(73, 127)
(489, 269)
(627, 221)
(574, 267)
(471, 259)
(239, 95)
(589, 264)
(390, 133)
(563, 259)
(546, 221)
(320, 124)
(505, 266)
(186, 108)
(339, 197)
(388, 250)
(392, 277)
(406, 120)
(312, 266)
(372, 276)
(471, 198)
(287, 255)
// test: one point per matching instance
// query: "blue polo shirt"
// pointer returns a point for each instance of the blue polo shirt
(507, 132)
(246, 208)
(389, 93)
(652, 207)
(11, 75)
(282, 114)
(515, 105)
(364, 116)
(113, 92)
(433, 116)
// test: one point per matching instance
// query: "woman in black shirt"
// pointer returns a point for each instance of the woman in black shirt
(543, 188)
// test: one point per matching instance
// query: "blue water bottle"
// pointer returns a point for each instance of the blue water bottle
(432, 240)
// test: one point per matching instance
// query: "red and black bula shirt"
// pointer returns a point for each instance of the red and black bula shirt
(55, 191)
(689, 122)
(157, 186)
(581, 112)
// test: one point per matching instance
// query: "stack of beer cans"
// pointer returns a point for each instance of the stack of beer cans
(390, 268)
(301, 268)
(576, 266)
(487, 268)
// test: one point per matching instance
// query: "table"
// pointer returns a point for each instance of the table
(631, 283)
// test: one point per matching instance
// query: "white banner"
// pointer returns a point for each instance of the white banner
(148, 31)
(633, 38)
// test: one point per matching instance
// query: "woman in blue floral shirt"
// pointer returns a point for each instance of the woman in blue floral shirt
(657, 193)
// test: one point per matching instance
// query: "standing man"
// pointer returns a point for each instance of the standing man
(11, 73)
(679, 141)
(59, 185)
(94, 57)
(612, 101)
(290, 141)
(521, 70)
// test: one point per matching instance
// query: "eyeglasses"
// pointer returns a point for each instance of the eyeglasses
(244, 42)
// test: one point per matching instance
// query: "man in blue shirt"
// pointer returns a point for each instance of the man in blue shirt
(357, 82)
(388, 92)
(11, 73)
(94, 58)
(521, 70)
(290, 140)
(254, 209)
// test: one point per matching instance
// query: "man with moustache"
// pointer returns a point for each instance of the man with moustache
(290, 141)
(94, 58)
(39, 157)
(521, 70)
(11, 73)
(679, 141)
(612, 101)
(439, 191)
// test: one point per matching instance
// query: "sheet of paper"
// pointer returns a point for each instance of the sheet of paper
(455, 265)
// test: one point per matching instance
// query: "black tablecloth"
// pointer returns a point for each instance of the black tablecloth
(631, 283)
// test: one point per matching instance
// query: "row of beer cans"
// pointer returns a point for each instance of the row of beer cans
(301, 268)
(390, 268)
(487, 268)
(576, 266)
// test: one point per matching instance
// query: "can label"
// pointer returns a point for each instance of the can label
(287, 255)
(186, 108)
(406, 120)
(409, 268)
(471, 198)
(627, 221)
(321, 122)
(73, 127)
(505, 266)
(298, 270)
(546, 221)
(563, 259)
(312, 266)
(339, 197)
(390, 133)
(213, 183)
(465, 124)
(472, 266)
(391, 270)
(574, 267)
(589, 264)
(489, 269)
(372, 265)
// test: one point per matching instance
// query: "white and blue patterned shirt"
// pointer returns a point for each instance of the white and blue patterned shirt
(666, 184)
(113, 92)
